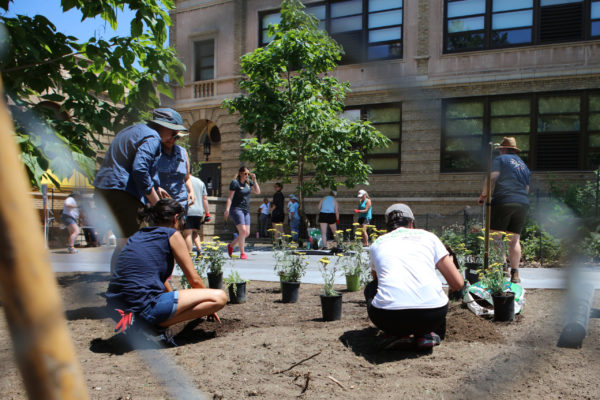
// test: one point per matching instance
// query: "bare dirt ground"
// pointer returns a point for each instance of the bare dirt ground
(245, 356)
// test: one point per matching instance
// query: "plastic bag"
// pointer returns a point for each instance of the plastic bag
(477, 292)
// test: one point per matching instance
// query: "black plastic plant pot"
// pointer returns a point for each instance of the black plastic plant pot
(331, 307)
(289, 292)
(239, 297)
(504, 307)
(215, 281)
(471, 272)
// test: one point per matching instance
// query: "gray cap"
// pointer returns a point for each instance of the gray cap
(168, 118)
(403, 209)
(293, 197)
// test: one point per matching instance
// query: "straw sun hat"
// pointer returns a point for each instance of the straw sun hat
(509, 143)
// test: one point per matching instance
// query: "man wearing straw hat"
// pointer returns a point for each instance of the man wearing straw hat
(510, 187)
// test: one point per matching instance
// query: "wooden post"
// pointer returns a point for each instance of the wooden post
(488, 209)
(44, 352)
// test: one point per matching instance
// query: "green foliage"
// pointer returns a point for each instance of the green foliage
(467, 247)
(551, 249)
(92, 80)
(354, 259)
(493, 277)
(233, 279)
(213, 255)
(328, 272)
(590, 246)
(199, 266)
(290, 265)
(292, 107)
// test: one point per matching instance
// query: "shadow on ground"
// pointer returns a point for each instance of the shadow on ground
(366, 343)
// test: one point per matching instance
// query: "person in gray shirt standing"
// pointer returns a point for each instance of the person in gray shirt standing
(197, 215)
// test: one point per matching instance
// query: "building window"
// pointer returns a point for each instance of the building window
(387, 119)
(555, 131)
(488, 24)
(204, 60)
(366, 29)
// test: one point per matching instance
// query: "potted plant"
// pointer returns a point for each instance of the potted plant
(331, 300)
(236, 287)
(498, 286)
(353, 259)
(213, 256)
(290, 266)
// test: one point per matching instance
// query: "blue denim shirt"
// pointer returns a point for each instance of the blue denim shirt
(130, 162)
(170, 173)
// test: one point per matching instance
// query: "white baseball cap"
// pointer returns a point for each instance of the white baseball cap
(361, 193)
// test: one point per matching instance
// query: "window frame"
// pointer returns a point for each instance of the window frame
(536, 25)
(365, 45)
(582, 136)
(363, 117)
(195, 42)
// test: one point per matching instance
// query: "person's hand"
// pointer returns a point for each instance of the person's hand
(481, 199)
(356, 210)
(337, 221)
(253, 176)
(191, 199)
(207, 217)
(163, 194)
(226, 215)
(214, 317)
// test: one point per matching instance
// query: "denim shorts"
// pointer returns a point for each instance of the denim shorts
(239, 216)
(67, 220)
(162, 309)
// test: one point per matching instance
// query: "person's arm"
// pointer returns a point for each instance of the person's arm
(255, 188)
(205, 204)
(228, 204)
(145, 156)
(450, 272)
(183, 259)
(320, 204)
(191, 197)
(367, 206)
(168, 287)
(337, 211)
(484, 194)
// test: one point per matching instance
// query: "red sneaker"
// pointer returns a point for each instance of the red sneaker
(243, 256)
(230, 250)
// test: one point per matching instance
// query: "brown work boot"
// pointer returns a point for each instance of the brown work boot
(514, 276)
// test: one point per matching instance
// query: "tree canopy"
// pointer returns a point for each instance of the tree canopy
(82, 87)
(292, 108)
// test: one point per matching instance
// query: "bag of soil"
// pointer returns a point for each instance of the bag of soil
(479, 300)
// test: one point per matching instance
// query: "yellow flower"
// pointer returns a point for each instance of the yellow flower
(216, 238)
(287, 236)
(294, 233)
(358, 233)
(278, 224)
(339, 231)
(235, 256)
(355, 224)
(271, 230)
(481, 237)
(324, 260)
(340, 255)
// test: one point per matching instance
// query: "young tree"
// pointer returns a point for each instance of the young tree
(98, 84)
(292, 108)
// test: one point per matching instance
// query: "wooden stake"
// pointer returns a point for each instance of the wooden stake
(337, 382)
(44, 352)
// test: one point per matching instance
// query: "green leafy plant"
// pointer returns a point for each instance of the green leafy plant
(354, 260)
(492, 277)
(537, 244)
(213, 255)
(199, 266)
(233, 279)
(290, 265)
(328, 272)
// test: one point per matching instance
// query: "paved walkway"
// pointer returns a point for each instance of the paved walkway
(259, 267)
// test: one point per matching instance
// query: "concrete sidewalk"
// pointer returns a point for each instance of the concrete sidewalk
(260, 262)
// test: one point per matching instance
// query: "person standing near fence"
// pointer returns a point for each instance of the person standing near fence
(263, 217)
(173, 173)
(294, 217)
(510, 202)
(365, 214)
(277, 213)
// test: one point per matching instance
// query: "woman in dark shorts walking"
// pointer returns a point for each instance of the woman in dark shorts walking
(329, 215)
(238, 207)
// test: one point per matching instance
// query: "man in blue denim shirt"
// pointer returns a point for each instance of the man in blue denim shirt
(124, 180)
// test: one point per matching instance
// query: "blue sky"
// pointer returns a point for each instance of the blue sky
(70, 22)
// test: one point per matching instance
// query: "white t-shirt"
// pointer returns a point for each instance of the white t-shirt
(197, 209)
(70, 208)
(264, 208)
(404, 261)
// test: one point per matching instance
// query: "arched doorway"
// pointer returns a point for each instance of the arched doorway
(205, 154)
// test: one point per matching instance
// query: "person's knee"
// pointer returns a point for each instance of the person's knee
(220, 298)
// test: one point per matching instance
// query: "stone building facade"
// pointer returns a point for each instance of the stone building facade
(441, 78)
